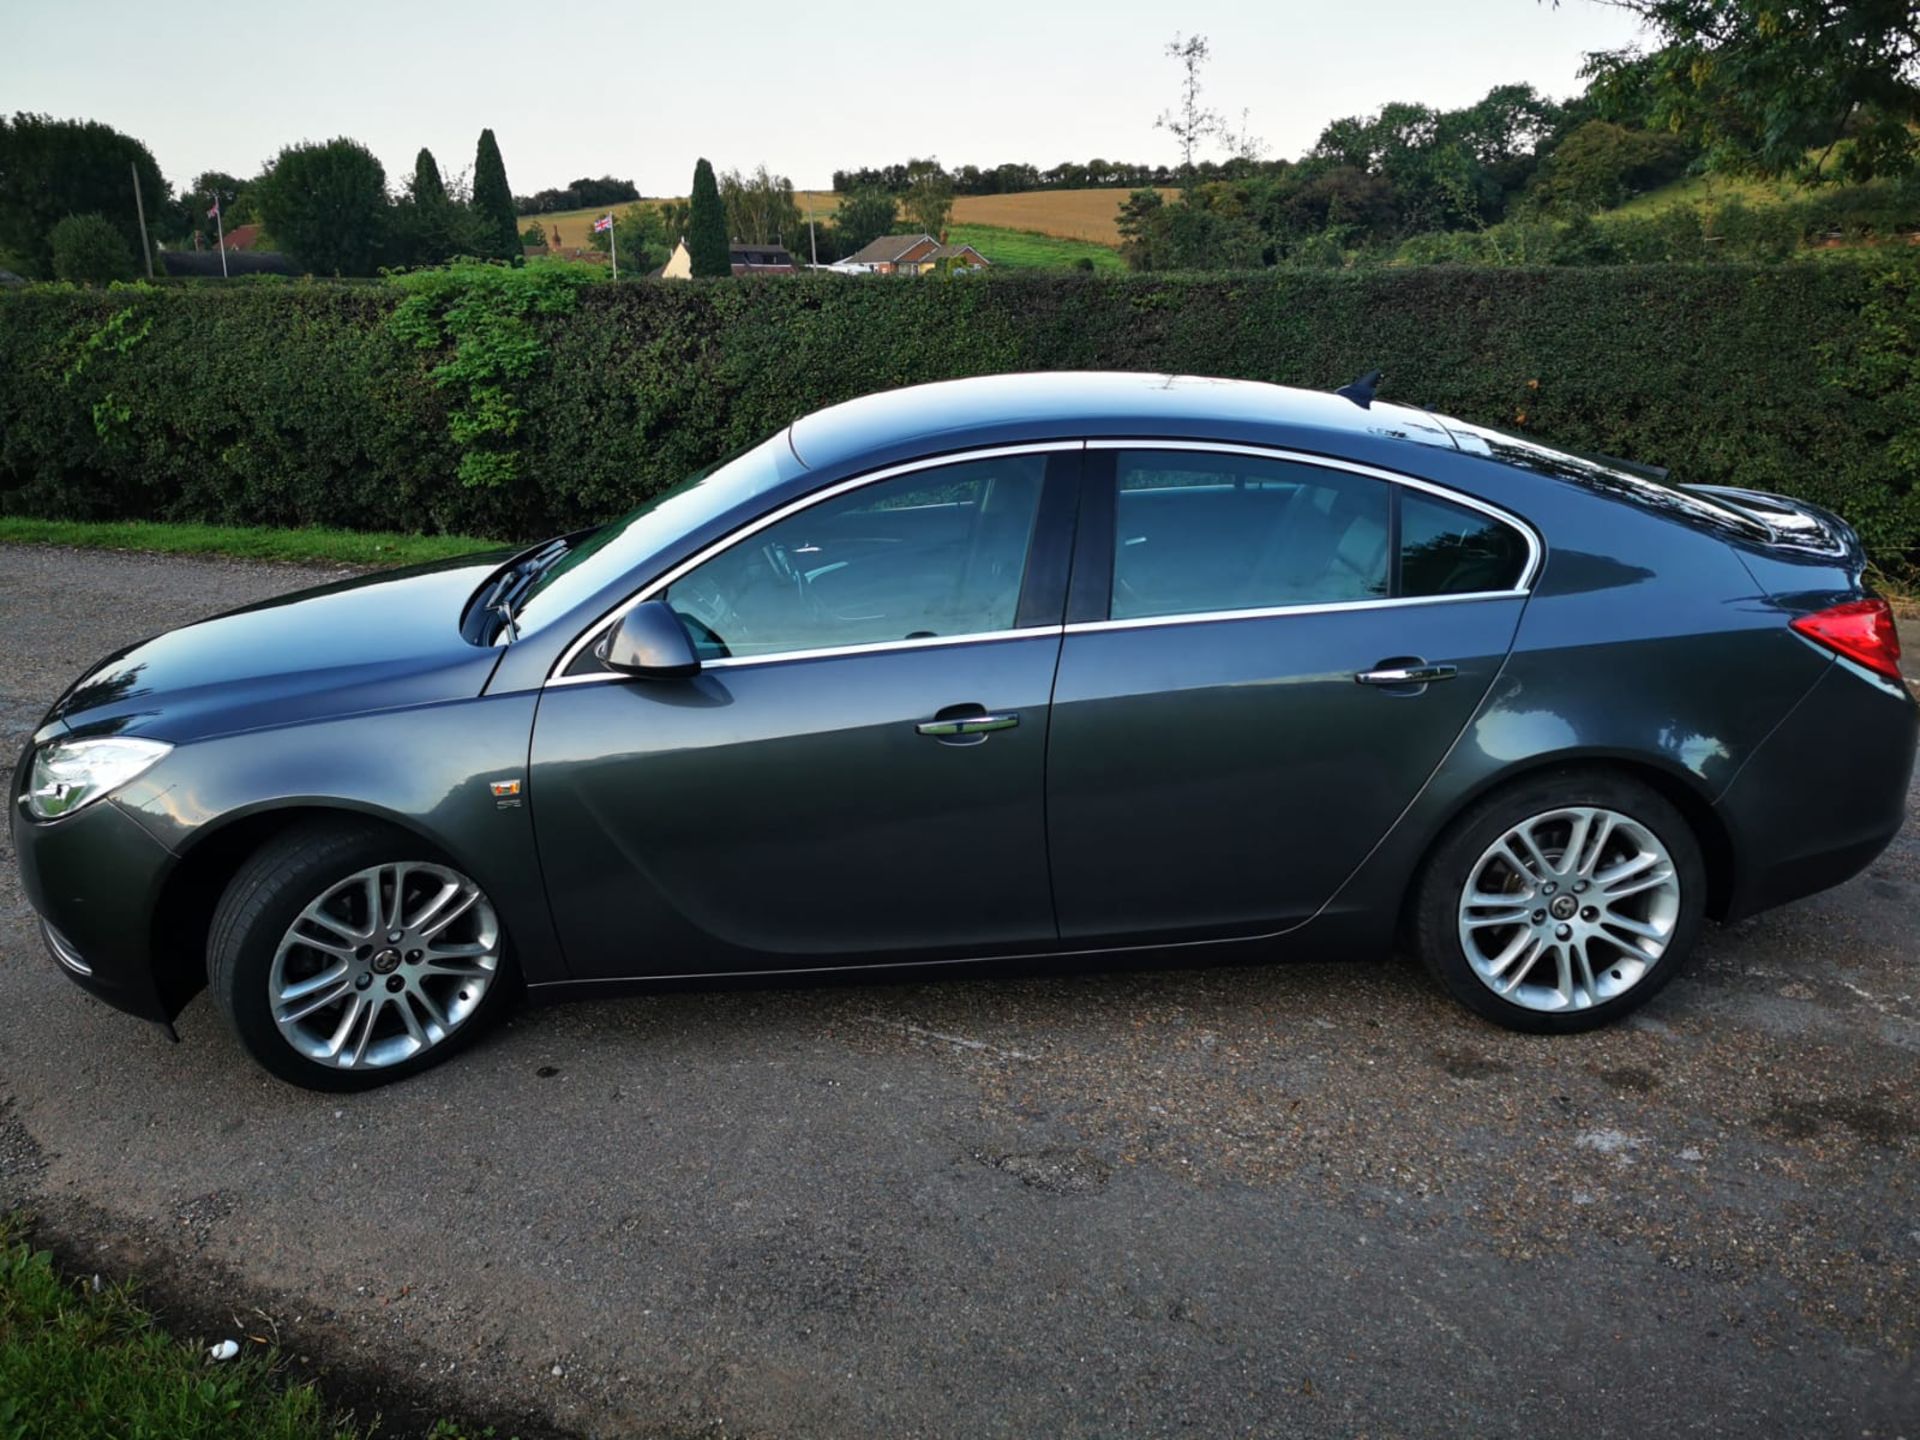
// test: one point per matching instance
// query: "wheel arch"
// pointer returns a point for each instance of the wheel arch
(1674, 784)
(183, 914)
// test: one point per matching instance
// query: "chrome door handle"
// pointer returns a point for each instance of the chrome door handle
(967, 725)
(1407, 674)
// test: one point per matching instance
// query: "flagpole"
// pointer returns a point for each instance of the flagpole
(613, 247)
(220, 233)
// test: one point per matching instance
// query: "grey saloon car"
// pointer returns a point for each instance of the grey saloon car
(979, 674)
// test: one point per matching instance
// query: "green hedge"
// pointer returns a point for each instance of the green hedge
(515, 402)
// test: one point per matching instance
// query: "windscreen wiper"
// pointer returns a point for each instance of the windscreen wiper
(516, 580)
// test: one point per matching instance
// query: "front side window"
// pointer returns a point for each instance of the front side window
(935, 553)
(1197, 532)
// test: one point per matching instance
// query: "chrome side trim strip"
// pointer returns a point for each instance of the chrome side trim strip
(558, 674)
(1145, 622)
(1328, 462)
(877, 647)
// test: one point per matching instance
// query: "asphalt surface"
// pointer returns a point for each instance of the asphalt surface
(1296, 1199)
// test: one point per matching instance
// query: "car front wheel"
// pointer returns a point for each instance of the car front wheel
(345, 956)
(1562, 902)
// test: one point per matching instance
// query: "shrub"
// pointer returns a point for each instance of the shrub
(87, 250)
(491, 401)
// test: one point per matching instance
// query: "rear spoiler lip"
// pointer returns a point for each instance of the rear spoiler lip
(1835, 540)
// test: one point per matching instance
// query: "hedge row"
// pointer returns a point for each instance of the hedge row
(311, 403)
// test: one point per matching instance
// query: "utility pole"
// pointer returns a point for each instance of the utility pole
(140, 209)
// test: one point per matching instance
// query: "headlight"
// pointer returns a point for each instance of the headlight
(70, 773)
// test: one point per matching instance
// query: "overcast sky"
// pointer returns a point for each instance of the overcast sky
(642, 90)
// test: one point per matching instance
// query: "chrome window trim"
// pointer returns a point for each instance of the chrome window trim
(557, 674)
(1535, 549)
(830, 652)
(1270, 612)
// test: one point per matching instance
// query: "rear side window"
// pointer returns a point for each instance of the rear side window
(1197, 532)
(1447, 549)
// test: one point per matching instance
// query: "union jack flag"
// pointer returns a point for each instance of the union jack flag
(605, 222)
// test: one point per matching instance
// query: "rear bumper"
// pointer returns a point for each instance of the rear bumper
(1826, 792)
(93, 879)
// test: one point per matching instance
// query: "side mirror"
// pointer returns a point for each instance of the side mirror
(649, 642)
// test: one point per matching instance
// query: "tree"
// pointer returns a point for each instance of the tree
(1774, 89)
(1143, 231)
(88, 250)
(707, 226)
(426, 187)
(50, 169)
(1192, 122)
(235, 196)
(327, 205)
(428, 225)
(1599, 164)
(641, 234)
(863, 217)
(760, 208)
(498, 230)
(929, 198)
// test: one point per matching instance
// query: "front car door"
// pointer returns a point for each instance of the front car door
(857, 772)
(1240, 713)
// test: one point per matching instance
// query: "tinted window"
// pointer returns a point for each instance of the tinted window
(1447, 549)
(1196, 532)
(937, 552)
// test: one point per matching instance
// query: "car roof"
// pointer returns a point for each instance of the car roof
(955, 414)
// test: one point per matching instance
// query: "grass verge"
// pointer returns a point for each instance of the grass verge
(77, 1362)
(80, 1360)
(307, 547)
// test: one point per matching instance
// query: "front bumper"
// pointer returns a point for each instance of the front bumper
(94, 879)
(1825, 793)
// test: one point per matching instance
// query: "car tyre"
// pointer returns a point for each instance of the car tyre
(253, 946)
(1463, 943)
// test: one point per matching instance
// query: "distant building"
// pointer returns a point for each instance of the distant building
(746, 260)
(909, 255)
(243, 237)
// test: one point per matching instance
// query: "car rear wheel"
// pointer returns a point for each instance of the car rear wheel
(346, 955)
(1562, 902)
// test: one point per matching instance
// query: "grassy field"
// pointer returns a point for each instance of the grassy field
(1087, 215)
(1024, 250)
(307, 547)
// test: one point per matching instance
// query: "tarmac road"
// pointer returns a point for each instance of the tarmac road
(1299, 1199)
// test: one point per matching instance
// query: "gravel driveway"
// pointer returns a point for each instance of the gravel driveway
(1302, 1199)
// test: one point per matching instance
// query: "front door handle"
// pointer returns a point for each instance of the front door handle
(967, 725)
(1410, 673)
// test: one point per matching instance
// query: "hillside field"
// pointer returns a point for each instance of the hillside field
(1088, 217)
(1024, 250)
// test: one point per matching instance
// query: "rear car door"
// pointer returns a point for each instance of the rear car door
(857, 771)
(1266, 657)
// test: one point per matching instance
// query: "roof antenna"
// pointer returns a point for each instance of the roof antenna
(1360, 392)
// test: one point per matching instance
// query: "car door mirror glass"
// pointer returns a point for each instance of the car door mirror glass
(649, 642)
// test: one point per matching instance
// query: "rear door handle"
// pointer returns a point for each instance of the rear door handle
(967, 725)
(1416, 674)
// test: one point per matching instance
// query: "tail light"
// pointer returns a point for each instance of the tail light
(1861, 630)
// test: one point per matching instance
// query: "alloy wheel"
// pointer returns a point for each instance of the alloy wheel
(384, 965)
(1569, 909)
